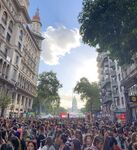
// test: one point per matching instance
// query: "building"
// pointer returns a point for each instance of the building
(111, 91)
(129, 74)
(20, 47)
(74, 105)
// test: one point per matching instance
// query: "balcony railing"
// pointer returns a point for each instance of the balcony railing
(2, 30)
(115, 94)
(112, 64)
(114, 83)
(107, 99)
(129, 71)
(107, 71)
(105, 82)
(113, 73)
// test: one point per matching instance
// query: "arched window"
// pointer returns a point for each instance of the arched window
(21, 35)
(10, 26)
(4, 17)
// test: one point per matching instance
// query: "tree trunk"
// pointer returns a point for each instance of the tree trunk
(2, 112)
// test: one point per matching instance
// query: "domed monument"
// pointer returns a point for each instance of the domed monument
(74, 105)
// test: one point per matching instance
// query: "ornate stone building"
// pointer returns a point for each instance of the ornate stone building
(111, 89)
(20, 47)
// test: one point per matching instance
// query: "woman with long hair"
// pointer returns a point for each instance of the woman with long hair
(31, 145)
(88, 139)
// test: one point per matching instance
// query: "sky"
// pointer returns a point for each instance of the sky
(62, 50)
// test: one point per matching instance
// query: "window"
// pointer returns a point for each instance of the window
(21, 35)
(6, 52)
(19, 45)
(22, 102)
(8, 37)
(29, 102)
(4, 17)
(2, 30)
(17, 59)
(18, 99)
(14, 74)
(10, 26)
(122, 100)
(118, 102)
(119, 77)
(120, 88)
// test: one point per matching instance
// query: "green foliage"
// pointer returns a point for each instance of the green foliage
(83, 110)
(111, 25)
(5, 100)
(89, 92)
(58, 110)
(47, 96)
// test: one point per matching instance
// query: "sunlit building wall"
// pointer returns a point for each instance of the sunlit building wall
(20, 49)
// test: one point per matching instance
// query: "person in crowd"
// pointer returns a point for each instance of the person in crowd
(121, 140)
(88, 139)
(41, 137)
(6, 147)
(75, 145)
(78, 135)
(110, 142)
(62, 142)
(134, 146)
(98, 143)
(133, 140)
(31, 145)
(15, 143)
(49, 145)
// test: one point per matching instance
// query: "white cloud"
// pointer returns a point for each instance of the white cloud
(87, 68)
(59, 41)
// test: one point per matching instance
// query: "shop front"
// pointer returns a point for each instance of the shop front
(120, 116)
(133, 107)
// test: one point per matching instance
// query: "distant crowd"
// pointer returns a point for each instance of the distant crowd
(66, 134)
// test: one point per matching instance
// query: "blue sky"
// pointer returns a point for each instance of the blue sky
(63, 51)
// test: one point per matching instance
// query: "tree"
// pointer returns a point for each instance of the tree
(5, 100)
(89, 92)
(47, 93)
(57, 110)
(83, 110)
(111, 25)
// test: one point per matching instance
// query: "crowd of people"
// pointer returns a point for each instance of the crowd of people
(66, 134)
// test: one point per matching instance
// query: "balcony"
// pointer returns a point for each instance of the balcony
(114, 83)
(112, 64)
(105, 82)
(115, 94)
(2, 30)
(129, 71)
(101, 58)
(107, 99)
(113, 73)
(105, 63)
(107, 71)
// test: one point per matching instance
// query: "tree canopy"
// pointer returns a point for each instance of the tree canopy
(111, 25)
(47, 93)
(5, 100)
(89, 92)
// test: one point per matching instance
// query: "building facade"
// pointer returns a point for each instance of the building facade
(20, 47)
(129, 82)
(111, 91)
